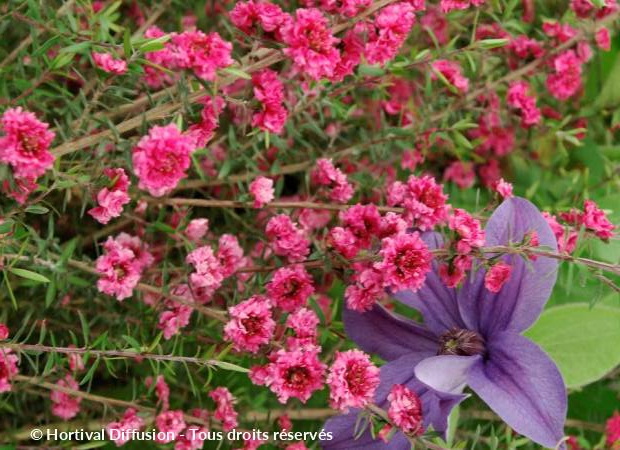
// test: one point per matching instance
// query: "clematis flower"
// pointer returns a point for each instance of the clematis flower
(472, 336)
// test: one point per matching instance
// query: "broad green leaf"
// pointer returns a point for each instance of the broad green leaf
(584, 342)
(28, 274)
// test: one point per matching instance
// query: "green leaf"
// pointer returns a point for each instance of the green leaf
(61, 60)
(228, 366)
(237, 73)
(492, 43)
(29, 275)
(584, 342)
(37, 209)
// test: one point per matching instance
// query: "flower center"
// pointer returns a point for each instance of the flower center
(458, 341)
(252, 325)
(297, 377)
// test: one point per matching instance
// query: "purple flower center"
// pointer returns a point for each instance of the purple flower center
(458, 341)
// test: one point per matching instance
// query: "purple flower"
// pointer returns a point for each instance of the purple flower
(472, 336)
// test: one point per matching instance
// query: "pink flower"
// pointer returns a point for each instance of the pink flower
(209, 271)
(172, 320)
(202, 53)
(392, 224)
(197, 229)
(165, 57)
(161, 390)
(518, 98)
(493, 136)
(566, 80)
(133, 243)
(286, 239)
(451, 71)
(20, 189)
(567, 239)
(262, 191)
(202, 132)
(612, 429)
(594, 219)
(8, 367)
(392, 24)
(406, 261)
(367, 290)
(423, 200)
(285, 423)
(496, 276)
(405, 410)
(290, 287)
(603, 39)
(119, 270)
(161, 159)
(111, 199)
(229, 254)
(25, 144)
(64, 405)
(469, 231)
(4, 330)
(169, 424)
(343, 241)
(325, 174)
(247, 16)
(453, 273)
(352, 380)
(460, 173)
(295, 373)
(311, 44)
(504, 189)
(225, 410)
(269, 90)
(304, 323)
(251, 324)
(108, 63)
(363, 221)
(130, 421)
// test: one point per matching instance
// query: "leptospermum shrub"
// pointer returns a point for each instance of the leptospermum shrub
(309, 224)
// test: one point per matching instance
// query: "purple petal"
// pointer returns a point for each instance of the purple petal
(445, 373)
(523, 386)
(388, 335)
(436, 302)
(343, 433)
(521, 300)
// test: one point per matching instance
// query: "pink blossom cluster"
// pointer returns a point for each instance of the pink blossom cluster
(296, 372)
(176, 315)
(451, 72)
(592, 218)
(65, 405)
(451, 5)
(423, 199)
(251, 324)
(311, 44)
(161, 159)
(406, 261)
(325, 174)
(225, 408)
(392, 25)
(8, 365)
(120, 266)
(405, 410)
(130, 421)
(269, 90)
(286, 239)
(290, 287)
(565, 81)
(25, 147)
(518, 98)
(253, 16)
(108, 63)
(497, 276)
(112, 198)
(262, 191)
(203, 131)
(170, 424)
(352, 380)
